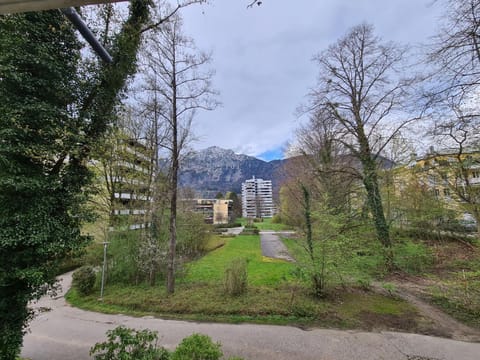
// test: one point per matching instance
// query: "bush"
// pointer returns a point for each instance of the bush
(412, 257)
(197, 347)
(192, 234)
(129, 344)
(276, 219)
(229, 225)
(235, 281)
(84, 280)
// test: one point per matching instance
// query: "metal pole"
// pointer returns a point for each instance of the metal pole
(103, 268)
(73, 16)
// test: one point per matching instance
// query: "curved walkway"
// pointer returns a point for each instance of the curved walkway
(60, 331)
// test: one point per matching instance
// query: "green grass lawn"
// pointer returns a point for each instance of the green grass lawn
(267, 224)
(261, 271)
(274, 296)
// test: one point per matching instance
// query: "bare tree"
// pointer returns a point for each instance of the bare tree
(331, 165)
(453, 95)
(361, 87)
(176, 74)
(459, 164)
(456, 52)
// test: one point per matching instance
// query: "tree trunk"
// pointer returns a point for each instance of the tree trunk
(173, 236)
(374, 200)
(173, 189)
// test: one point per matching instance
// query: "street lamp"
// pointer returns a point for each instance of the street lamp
(105, 243)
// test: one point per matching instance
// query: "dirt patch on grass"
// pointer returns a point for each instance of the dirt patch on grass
(450, 255)
(442, 293)
(374, 321)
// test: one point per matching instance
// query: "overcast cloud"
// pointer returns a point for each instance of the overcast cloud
(262, 57)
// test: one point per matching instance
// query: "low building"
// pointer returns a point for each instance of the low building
(214, 211)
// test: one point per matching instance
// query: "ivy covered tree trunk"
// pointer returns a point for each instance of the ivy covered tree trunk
(48, 123)
(374, 200)
(39, 197)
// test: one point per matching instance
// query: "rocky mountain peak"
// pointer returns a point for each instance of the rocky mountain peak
(215, 169)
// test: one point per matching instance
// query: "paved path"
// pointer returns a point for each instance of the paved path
(273, 247)
(65, 332)
(235, 230)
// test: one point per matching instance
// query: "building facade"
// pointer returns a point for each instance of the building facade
(257, 199)
(451, 177)
(123, 191)
(214, 211)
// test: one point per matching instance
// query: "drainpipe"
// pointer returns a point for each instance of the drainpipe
(73, 16)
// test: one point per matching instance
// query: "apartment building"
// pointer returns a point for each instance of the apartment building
(123, 193)
(257, 198)
(452, 177)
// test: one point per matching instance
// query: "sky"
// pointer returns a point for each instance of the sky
(263, 60)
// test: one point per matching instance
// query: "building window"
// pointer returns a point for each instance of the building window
(446, 192)
(475, 174)
(436, 192)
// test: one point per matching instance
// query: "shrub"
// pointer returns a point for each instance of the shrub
(129, 344)
(235, 281)
(412, 257)
(84, 279)
(229, 225)
(276, 219)
(192, 234)
(197, 347)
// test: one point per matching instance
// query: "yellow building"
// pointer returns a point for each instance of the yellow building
(450, 176)
(214, 211)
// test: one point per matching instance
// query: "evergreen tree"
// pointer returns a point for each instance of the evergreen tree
(40, 187)
(49, 120)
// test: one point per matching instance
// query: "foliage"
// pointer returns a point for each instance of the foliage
(460, 296)
(197, 347)
(236, 204)
(193, 234)
(122, 257)
(325, 245)
(236, 278)
(225, 226)
(83, 280)
(40, 197)
(412, 257)
(276, 219)
(50, 119)
(129, 344)
(250, 228)
(360, 90)
(416, 207)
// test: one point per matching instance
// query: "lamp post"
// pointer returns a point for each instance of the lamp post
(105, 243)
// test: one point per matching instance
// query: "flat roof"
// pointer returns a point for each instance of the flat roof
(15, 6)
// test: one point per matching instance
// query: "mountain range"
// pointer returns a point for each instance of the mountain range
(214, 170)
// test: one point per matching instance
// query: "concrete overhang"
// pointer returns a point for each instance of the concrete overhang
(16, 6)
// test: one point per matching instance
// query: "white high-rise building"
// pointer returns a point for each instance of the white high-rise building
(257, 199)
